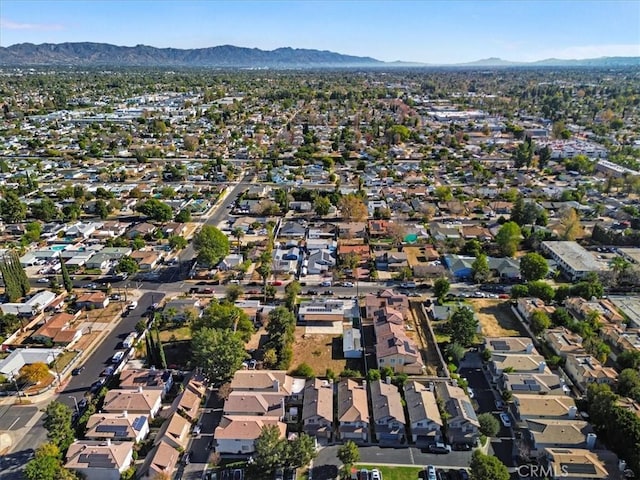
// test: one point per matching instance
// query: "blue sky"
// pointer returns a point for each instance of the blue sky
(449, 31)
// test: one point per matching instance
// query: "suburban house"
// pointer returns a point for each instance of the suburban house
(462, 425)
(574, 260)
(57, 331)
(31, 307)
(604, 307)
(387, 412)
(188, 402)
(580, 463)
(529, 406)
(539, 383)
(317, 408)
(174, 432)
(99, 460)
(585, 369)
(563, 341)
(353, 411)
(396, 350)
(265, 381)
(147, 378)
(544, 433)
(91, 300)
(236, 434)
(140, 230)
(11, 365)
(270, 404)
(424, 417)
(525, 306)
(117, 426)
(133, 401)
(516, 363)
(160, 462)
(322, 311)
(231, 261)
(146, 259)
(387, 298)
(509, 345)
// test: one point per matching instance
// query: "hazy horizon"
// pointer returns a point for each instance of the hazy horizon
(438, 32)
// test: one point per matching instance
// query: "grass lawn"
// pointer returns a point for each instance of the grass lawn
(395, 473)
(65, 359)
(175, 334)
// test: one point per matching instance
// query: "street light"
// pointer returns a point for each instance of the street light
(15, 382)
(75, 401)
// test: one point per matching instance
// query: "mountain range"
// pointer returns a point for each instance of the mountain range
(87, 54)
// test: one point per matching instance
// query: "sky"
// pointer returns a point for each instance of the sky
(426, 31)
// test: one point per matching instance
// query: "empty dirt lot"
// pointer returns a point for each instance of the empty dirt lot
(321, 352)
(496, 318)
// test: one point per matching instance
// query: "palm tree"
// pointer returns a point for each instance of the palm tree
(620, 266)
(238, 233)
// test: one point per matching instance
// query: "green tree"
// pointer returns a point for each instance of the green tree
(489, 425)
(270, 451)
(292, 290)
(303, 370)
(455, 352)
(540, 321)
(219, 353)
(570, 226)
(463, 326)
(349, 454)
(533, 266)
(542, 290)
(58, 424)
(480, 269)
(177, 242)
(508, 238)
(233, 293)
(225, 316)
(238, 233)
(183, 216)
(441, 287)
(300, 451)
(16, 283)
(66, 278)
(544, 156)
(127, 265)
(156, 210)
(102, 209)
(629, 359)
(321, 205)
(211, 244)
(487, 467)
(280, 328)
(45, 210)
(12, 209)
(47, 465)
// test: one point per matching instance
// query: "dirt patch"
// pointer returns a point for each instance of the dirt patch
(102, 315)
(496, 318)
(321, 352)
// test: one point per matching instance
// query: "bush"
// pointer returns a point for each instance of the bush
(489, 425)
(303, 370)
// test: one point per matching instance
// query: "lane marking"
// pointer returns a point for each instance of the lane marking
(14, 422)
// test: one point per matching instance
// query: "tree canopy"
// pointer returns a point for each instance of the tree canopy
(211, 244)
(533, 266)
(58, 424)
(487, 467)
(219, 353)
(463, 326)
(156, 210)
(508, 238)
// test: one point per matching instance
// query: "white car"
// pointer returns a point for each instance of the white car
(347, 284)
(43, 280)
(506, 421)
(431, 472)
(375, 474)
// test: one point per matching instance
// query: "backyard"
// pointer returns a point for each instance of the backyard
(321, 352)
(496, 318)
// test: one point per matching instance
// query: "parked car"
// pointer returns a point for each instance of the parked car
(430, 472)
(117, 357)
(107, 372)
(279, 475)
(325, 283)
(97, 385)
(506, 421)
(463, 474)
(43, 280)
(312, 292)
(499, 404)
(327, 292)
(276, 283)
(439, 448)
(461, 447)
(78, 370)
(375, 474)
(348, 284)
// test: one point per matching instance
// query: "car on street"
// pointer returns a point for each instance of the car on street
(253, 292)
(276, 283)
(325, 283)
(97, 385)
(506, 421)
(499, 404)
(312, 292)
(43, 280)
(327, 292)
(461, 447)
(348, 284)
(375, 474)
(78, 370)
(91, 286)
(107, 372)
(117, 357)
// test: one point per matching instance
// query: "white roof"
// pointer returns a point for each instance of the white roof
(20, 357)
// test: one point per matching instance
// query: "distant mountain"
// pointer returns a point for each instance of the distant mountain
(87, 54)
(556, 62)
(225, 56)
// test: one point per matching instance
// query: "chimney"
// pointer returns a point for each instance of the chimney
(140, 389)
(529, 348)
(108, 442)
(387, 380)
(542, 366)
(276, 385)
(591, 440)
(572, 412)
(125, 414)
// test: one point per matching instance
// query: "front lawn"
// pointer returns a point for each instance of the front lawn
(395, 473)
